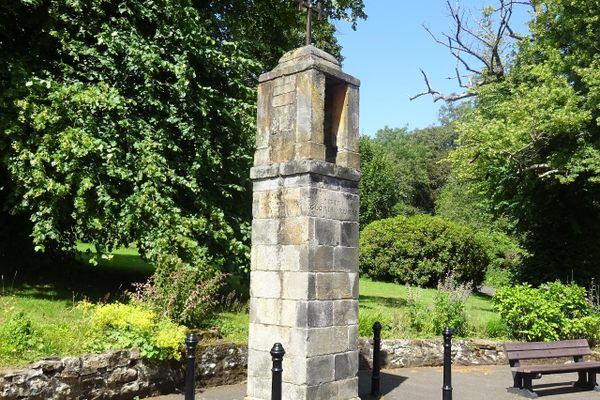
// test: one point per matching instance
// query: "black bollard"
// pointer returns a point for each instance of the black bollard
(447, 388)
(191, 341)
(376, 379)
(277, 353)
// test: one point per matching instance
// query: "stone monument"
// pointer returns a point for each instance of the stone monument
(304, 269)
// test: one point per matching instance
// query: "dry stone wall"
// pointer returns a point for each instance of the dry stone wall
(116, 375)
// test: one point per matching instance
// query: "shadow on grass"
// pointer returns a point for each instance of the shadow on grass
(76, 279)
(383, 301)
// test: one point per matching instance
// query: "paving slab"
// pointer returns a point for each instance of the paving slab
(468, 383)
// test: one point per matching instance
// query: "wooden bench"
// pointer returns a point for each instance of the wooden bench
(523, 374)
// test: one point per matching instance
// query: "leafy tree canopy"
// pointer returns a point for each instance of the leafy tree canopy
(531, 143)
(403, 171)
(132, 122)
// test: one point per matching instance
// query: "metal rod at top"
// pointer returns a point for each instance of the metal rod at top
(310, 8)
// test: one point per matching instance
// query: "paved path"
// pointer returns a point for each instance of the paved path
(469, 383)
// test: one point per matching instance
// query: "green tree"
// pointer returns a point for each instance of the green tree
(403, 171)
(380, 188)
(531, 143)
(132, 122)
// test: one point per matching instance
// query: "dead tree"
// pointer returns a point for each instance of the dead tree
(479, 51)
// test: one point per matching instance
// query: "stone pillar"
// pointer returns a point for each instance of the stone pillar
(304, 270)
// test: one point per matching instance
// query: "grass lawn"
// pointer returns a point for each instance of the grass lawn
(48, 298)
(388, 302)
(379, 301)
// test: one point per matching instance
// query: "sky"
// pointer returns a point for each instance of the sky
(386, 52)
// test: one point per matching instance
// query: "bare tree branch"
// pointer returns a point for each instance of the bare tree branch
(479, 51)
(437, 95)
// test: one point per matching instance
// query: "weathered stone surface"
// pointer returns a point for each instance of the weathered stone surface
(49, 365)
(429, 353)
(122, 375)
(305, 204)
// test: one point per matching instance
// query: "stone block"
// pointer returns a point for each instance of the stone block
(284, 88)
(298, 285)
(122, 375)
(310, 105)
(325, 391)
(346, 365)
(321, 258)
(263, 115)
(309, 151)
(319, 314)
(336, 205)
(265, 257)
(282, 148)
(261, 337)
(265, 231)
(348, 159)
(283, 99)
(345, 259)
(336, 285)
(259, 363)
(293, 231)
(352, 115)
(265, 284)
(322, 341)
(292, 202)
(290, 391)
(326, 232)
(352, 337)
(293, 257)
(300, 182)
(262, 156)
(265, 311)
(320, 369)
(294, 313)
(348, 389)
(349, 234)
(266, 204)
(259, 388)
(264, 184)
(345, 312)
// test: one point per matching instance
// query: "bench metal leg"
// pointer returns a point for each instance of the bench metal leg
(522, 386)
(582, 382)
(587, 380)
(592, 381)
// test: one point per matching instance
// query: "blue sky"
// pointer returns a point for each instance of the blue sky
(386, 52)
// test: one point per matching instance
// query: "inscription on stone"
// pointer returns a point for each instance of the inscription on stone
(331, 206)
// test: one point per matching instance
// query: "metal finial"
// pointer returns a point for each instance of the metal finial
(310, 7)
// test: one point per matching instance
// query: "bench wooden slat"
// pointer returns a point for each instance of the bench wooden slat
(523, 374)
(546, 345)
(549, 353)
(547, 368)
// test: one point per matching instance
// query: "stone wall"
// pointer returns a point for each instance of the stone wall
(116, 375)
(404, 353)
(123, 375)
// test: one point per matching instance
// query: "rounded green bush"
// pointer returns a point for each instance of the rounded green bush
(421, 250)
(553, 311)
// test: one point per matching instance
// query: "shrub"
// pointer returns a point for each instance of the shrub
(449, 307)
(187, 295)
(505, 255)
(421, 250)
(19, 335)
(123, 326)
(553, 311)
